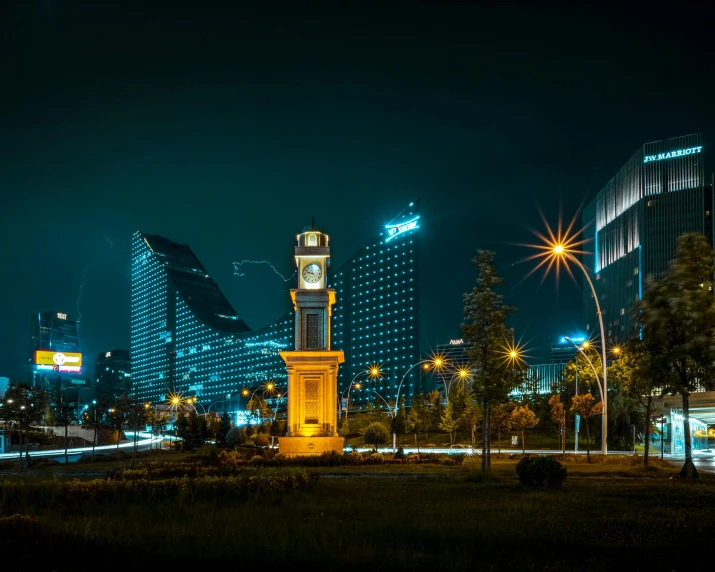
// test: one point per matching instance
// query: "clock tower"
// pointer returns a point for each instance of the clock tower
(312, 367)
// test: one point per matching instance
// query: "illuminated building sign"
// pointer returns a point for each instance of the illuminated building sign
(108, 354)
(458, 342)
(394, 230)
(61, 368)
(67, 359)
(61, 316)
(673, 154)
(577, 339)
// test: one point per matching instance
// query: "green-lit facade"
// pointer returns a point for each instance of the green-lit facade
(633, 225)
(186, 337)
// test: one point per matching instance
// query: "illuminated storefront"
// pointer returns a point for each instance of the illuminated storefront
(186, 337)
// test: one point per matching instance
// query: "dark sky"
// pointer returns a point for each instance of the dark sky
(228, 129)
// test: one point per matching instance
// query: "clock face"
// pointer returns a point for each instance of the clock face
(312, 273)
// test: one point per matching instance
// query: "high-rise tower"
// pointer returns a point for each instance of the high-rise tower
(660, 194)
(312, 367)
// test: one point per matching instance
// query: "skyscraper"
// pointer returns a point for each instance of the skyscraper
(54, 347)
(634, 223)
(187, 338)
(113, 375)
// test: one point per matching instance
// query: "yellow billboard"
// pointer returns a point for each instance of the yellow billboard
(47, 357)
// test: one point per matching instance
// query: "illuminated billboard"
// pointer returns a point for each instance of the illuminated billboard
(59, 359)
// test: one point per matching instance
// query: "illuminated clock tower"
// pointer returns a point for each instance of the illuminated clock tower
(312, 366)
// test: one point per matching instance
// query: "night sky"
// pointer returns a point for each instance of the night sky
(228, 130)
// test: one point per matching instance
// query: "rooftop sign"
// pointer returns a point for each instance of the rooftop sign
(394, 230)
(457, 342)
(673, 154)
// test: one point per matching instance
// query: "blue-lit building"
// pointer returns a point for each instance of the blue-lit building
(186, 337)
(634, 222)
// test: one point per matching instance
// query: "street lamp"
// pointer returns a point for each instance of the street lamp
(437, 362)
(560, 248)
(372, 371)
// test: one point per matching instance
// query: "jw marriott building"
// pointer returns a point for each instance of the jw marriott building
(635, 221)
(187, 338)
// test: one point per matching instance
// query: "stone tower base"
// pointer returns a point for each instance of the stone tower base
(304, 446)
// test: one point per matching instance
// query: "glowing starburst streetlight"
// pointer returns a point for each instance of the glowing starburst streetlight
(174, 399)
(616, 351)
(561, 248)
(373, 371)
(514, 354)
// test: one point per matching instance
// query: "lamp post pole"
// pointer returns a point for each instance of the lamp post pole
(352, 382)
(604, 396)
(601, 389)
(94, 439)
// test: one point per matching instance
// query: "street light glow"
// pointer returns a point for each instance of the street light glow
(556, 247)
(358, 385)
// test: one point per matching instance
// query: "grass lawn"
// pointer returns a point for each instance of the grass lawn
(606, 516)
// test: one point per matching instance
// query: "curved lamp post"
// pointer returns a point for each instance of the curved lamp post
(373, 372)
(582, 349)
(561, 248)
(437, 362)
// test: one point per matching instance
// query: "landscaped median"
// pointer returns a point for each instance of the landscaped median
(140, 487)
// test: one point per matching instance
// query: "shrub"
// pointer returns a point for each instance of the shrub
(376, 434)
(543, 472)
(261, 440)
(235, 436)
(79, 496)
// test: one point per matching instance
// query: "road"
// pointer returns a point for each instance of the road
(146, 440)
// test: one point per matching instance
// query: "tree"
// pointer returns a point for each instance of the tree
(23, 405)
(416, 418)
(93, 420)
(192, 429)
(640, 371)
(501, 421)
(585, 405)
(470, 419)
(157, 421)
(558, 416)
(579, 370)
(485, 331)
(223, 430)
(183, 429)
(120, 415)
(64, 413)
(677, 315)
(450, 421)
(376, 434)
(261, 440)
(236, 436)
(435, 408)
(398, 423)
(521, 419)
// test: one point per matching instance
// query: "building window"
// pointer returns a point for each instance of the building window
(623, 311)
(635, 271)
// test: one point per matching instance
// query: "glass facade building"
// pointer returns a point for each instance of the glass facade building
(634, 222)
(186, 337)
(56, 332)
(113, 375)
